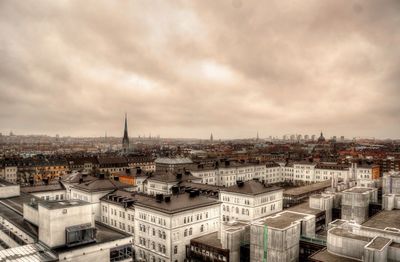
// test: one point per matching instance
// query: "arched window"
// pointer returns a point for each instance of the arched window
(190, 231)
(153, 245)
(164, 236)
(227, 208)
(185, 233)
(201, 228)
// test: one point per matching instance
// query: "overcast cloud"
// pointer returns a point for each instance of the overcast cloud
(188, 68)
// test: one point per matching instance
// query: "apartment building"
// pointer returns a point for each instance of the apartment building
(249, 200)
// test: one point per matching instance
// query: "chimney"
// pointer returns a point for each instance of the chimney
(240, 183)
(81, 180)
(175, 190)
(116, 178)
(167, 199)
(159, 198)
(179, 175)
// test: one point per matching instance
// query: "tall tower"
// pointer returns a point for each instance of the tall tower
(125, 139)
(211, 138)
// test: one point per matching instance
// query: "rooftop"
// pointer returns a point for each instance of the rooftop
(305, 209)
(43, 188)
(358, 190)
(324, 256)
(379, 243)
(104, 234)
(63, 204)
(251, 187)
(347, 234)
(209, 240)
(384, 219)
(31, 252)
(17, 202)
(173, 161)
(4, 183)
(200, 186)
(74, 178)
(297, 191)
(178, 203)
(281, 220)
(168, 177)
(17, 220)
(100, 184)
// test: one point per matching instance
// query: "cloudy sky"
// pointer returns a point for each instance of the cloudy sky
(188, 68)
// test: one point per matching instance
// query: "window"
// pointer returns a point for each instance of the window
(190, 231)
(185, 233)
(201, 228)
(175, 249)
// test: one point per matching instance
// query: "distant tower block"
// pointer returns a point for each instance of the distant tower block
(125, 139)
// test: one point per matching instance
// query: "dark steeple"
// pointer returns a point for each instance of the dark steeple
(125, 140)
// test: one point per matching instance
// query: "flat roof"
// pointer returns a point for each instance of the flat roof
(31, 252)
(104, 234)
(297, 191)
(384, 219)
(324, 256)
(209, 240)
(4, 183)
(345, 233)
(306, 209)
(378, 243)
(359, 190)
(43, 188)
(63, 203)
(281, 220)
(17, 202)
(18, 220)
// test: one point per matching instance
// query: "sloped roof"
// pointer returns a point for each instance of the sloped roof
(251, 187)
(99, 184)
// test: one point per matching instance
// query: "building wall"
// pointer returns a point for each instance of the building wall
(53, 222)
(249, 207)
(171, 233)
(118, 217)
(52, 195)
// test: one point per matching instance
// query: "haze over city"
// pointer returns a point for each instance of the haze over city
(189, 68)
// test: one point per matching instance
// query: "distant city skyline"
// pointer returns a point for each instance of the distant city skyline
(276, 67)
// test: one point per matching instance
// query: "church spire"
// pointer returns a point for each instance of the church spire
(125, 139)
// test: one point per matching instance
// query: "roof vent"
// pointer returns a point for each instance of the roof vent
(159, 198)
(193, 193)
(167, 199)
(240, 183)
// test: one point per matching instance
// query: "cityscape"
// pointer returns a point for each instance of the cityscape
(189, 131)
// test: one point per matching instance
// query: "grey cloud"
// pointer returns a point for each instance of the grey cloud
(298, 67)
